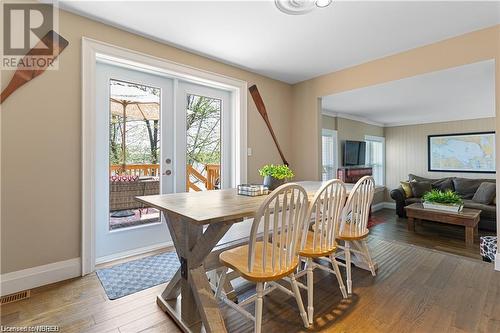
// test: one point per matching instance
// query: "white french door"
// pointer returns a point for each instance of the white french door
(154, 135)
(138, 229)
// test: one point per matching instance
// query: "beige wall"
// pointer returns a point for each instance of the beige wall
(355, 130)
(329, 122)
(406, 148)
(466, 49)
(350, 129)
(41, 144)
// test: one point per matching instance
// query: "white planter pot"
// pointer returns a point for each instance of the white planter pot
(448, 208)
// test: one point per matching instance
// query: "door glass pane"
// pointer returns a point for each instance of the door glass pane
(203, 124)
(328, 149)
(134, 152)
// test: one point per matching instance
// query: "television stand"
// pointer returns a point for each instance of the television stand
(351, 174)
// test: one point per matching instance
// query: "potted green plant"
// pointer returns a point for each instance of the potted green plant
(275, 175)
(448, 201)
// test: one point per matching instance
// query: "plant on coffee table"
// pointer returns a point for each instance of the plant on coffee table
(447, 200)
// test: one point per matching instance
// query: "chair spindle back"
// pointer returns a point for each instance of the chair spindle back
(357, 209)
(325, 212)
(283, 214)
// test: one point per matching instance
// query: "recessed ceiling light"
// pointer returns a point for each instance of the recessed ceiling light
(323, 3)
(295, 7)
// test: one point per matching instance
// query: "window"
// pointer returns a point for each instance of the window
(329, 154)
(375, 157)
(204, 144)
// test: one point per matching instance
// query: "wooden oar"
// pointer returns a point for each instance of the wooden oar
(262, 110)
(51, 41)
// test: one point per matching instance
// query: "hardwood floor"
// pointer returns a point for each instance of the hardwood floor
(417, 289)
(431, 235)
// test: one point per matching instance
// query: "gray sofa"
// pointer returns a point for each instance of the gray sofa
(465, 187)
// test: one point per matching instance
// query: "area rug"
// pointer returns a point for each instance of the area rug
(373, 221)
(133, 276)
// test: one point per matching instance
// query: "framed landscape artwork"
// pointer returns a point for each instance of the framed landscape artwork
(466, 152)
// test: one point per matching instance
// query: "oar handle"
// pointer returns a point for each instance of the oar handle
(54, 42)
(14, 83)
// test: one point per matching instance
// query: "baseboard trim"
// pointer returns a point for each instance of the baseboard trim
(382, 205)
(497, 262)
(131, 253)
(40, 275)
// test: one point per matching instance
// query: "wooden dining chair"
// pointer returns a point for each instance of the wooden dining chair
(319, 238)
(353, 228)
(273, 256)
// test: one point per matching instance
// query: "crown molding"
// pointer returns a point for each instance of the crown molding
(449, 120)
(364, 120)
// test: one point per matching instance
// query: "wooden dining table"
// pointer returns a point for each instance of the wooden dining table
(197, 221)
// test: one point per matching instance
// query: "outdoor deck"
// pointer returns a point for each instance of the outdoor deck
(122, 195)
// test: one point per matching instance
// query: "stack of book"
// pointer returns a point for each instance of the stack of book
(252, 190)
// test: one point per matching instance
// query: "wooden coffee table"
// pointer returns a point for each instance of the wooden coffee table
(469, 218)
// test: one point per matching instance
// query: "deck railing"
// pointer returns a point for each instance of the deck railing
(135, 169)
(210, 180)
(213, 176)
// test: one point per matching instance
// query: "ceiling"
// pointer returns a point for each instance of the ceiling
(254, 35)
(465, 92)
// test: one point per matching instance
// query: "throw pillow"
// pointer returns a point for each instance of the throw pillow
(407, 189)
(420, 188)
(485, 193)
(415, 178)
(466, 187)
(445, 184)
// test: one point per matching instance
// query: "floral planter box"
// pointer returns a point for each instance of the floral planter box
(448, 208)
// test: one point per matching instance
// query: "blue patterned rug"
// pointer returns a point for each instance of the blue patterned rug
(131, 277)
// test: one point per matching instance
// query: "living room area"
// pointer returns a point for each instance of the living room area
(422, 136)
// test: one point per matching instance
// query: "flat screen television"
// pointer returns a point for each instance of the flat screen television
(354, 153)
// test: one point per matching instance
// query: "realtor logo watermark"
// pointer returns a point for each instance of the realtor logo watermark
(24, 27)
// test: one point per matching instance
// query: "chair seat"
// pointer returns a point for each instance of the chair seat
(310, 252)
(348, 235)
(237, 259)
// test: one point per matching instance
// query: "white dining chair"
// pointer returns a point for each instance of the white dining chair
(319, 238)
(273, 257)
(353, 228)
